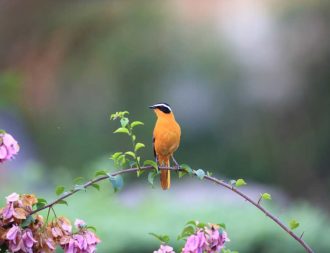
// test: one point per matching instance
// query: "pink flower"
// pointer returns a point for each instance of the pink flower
(79, 223)
(20, 240)
(215, 239)
(8, 147)
(165, 249)
(8, 211)
(84, 241)
(12, 197)
(195, 243)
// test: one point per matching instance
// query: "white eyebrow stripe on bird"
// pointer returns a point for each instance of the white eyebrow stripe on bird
(156, 105)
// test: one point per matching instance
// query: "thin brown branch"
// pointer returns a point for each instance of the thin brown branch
(208, 178)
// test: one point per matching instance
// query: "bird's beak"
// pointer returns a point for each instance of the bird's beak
(152, 107)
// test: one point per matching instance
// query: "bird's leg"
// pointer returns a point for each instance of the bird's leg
(177, 165)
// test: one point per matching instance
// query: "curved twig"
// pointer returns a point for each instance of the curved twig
(209, 178)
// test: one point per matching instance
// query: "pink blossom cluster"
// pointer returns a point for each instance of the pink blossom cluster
(84, 241)
(38, 237)
(211, 239)
(8, 147)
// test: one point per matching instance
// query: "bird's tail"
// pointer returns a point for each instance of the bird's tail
(165, 175)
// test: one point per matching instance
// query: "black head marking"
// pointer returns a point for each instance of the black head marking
(164, 107)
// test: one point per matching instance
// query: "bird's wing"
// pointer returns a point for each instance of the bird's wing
(153, 146)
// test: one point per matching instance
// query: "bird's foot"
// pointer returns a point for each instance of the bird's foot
(177, 165)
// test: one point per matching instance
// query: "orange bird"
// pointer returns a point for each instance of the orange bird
(166, 140)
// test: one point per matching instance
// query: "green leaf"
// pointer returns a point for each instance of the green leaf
(2, 131)
(62, 202)
(201, 225)
(59, 190)
(130, 153)
(240, 182)
(124, 121)
(138, 146)
(100, 173)
(133, 137)
(117, 182)
(187, 231)
(266, 196)
(209, 174)
(200, 174)
(122, 130)
(136, 123)
(222, 225)
(151, 177)
(182, 173)
(191, 222)
(150, 163)
(186, 168)
(163, 238)
(121, 160)
(96, 186)
(293, 224)
(27, 221)
(41, 200)
(116, 155)
(91, 228)
(78, 180)
(139, 172)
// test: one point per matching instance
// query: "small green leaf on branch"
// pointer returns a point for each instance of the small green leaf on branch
(222, 225)
(136, 123)
(62, 202)
(117, 182)
(163, 238)
(27, 221)
(209, 174)
(123, 130)
(240, 182)
(91, 228)
(130, 153)
(187, 231)
(150, 163)
(115, 155)
(96, 186)
(293, 224)
(200, 173)
(124, 121)
(151, 177)
(266, 196)
(100, 173)
(78, 180)
(186, 168)
(59, 190)
(138, 146)
(41, 203)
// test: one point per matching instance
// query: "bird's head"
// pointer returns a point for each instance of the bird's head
(161, 109)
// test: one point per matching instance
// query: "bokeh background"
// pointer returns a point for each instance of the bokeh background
(249, 82)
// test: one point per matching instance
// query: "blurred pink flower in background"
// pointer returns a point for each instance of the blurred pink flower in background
(8, 147)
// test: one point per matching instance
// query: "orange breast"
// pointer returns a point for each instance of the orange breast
(167, 137)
